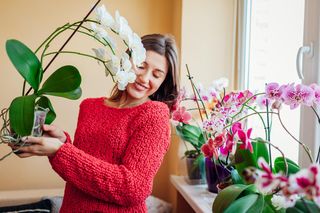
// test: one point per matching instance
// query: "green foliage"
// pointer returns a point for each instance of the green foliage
(236, 178)
(21, 113)
(64, 82)
(250, 203)
(279, 165)
(260, 149)
(25, 61)
(228, 195)
(244, 159)
(303, 206)
(191, 134)
(65, 79)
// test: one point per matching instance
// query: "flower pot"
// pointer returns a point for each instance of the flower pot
(215, 173)
(196, 170)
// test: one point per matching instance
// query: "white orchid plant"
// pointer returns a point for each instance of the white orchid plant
(19, 119)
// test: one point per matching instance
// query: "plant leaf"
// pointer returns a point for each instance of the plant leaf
(228, 195)
(236, 178)
(243, 204)
(301, 207)
(192, 134)
(279, 165)
(260, 149)
(44, 102)
(63, 80)
(25, 61)
(21, 114)
(73, 95)
(244, 159)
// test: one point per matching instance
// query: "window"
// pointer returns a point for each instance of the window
(271, 32)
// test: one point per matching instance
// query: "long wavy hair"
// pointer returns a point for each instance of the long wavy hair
(168, 91)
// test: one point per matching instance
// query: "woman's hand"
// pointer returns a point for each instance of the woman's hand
(55, 132)
(38, 146)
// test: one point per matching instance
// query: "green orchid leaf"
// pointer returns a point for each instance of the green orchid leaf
(21, 114)
(268, 207)
(236, 178)
(244, 204)
(279, 165)
(45, 103)
(243, 160)
(192, 134)
(64, 80)
(307, 206)
(25, 61)
(73, 95)
(229, 195)
(258, 206)
(260, 149)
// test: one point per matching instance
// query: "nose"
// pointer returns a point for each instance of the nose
(144, 76)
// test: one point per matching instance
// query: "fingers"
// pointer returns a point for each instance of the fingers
(32, 140)
(49, 128)
(27, 151)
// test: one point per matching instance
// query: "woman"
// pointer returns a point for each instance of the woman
(120, 141)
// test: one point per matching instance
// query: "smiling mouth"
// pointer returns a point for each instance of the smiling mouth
(141, 85)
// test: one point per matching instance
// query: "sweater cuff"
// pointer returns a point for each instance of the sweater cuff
(62, 151)
(68, 138)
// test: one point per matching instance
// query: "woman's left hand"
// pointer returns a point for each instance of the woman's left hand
(38, 146)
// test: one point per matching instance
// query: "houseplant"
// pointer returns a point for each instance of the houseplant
(279, 185)
(19, 119)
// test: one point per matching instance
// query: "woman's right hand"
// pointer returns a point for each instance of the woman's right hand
(54, 131)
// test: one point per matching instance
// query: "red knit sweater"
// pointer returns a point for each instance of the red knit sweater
(114, 157)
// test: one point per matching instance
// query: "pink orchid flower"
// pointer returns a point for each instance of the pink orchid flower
(181, 115)
(316, 90)
(296, 95)
(273, 91)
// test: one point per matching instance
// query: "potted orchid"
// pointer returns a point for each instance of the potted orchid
(279, 185)
(28, 112)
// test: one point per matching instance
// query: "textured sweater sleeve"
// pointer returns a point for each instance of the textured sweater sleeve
(126, 184)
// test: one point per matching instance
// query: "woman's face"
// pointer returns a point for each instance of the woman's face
(150, 76)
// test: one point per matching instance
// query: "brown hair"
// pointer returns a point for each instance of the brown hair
(168, 91)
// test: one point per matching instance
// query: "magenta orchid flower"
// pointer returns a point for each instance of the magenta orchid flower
(181, 115)
(230, 139)
(245, 139)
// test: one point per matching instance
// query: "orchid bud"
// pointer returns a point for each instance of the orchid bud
(276, 105)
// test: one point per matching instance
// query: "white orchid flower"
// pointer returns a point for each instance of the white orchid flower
(119, 20)
(282, 202)
(123, 78)
(138, 52)
(104, 17)
(99, 32)
(220, 83)
(100, 53)
(114, 65)
(126, 33)
(125, 62)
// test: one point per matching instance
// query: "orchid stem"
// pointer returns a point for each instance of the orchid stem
(268, 135)
(302, 144)
(67, 41)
